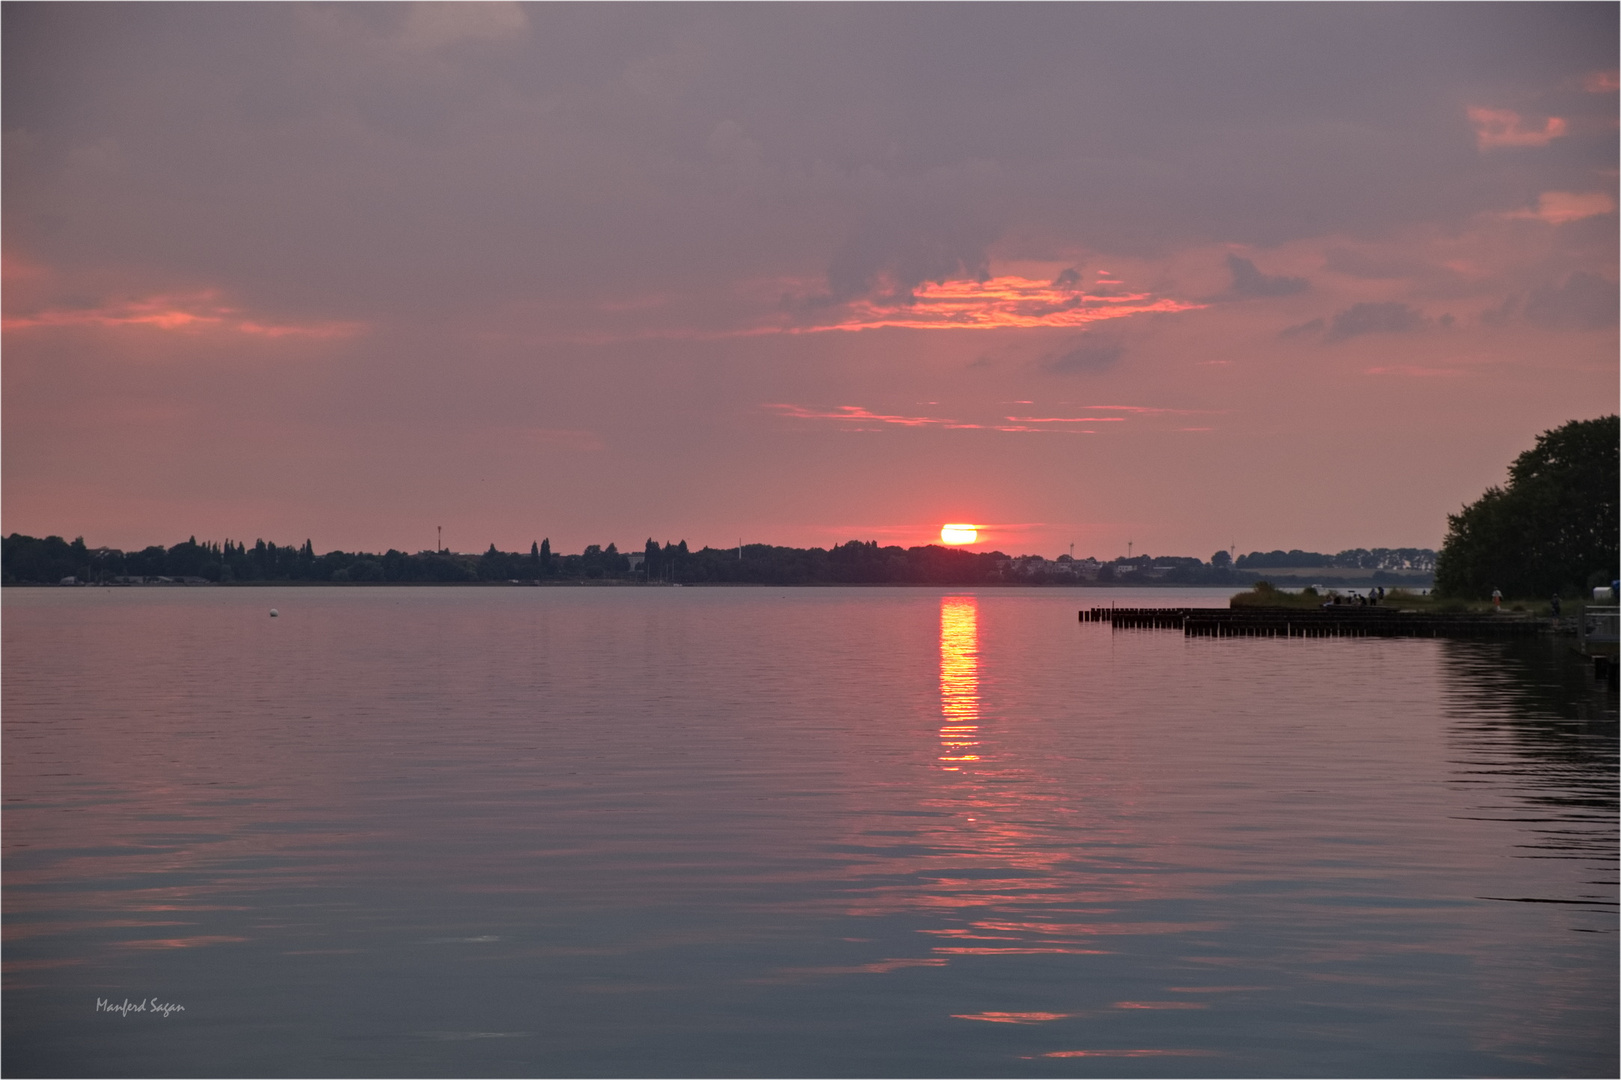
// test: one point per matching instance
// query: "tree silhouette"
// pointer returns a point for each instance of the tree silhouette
(1553, 528)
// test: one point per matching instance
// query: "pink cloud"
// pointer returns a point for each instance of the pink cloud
(1146, 409)
(861, 415)
(1558, 207)
(561, 438)
(308, 330)
(1006, 302)
(999, 303)
(189, 312)
(1026, 429)
(1601, 82)
(857, 416)
(1065, 419)
(1502, 127)
(1414, 372)
(14, 270)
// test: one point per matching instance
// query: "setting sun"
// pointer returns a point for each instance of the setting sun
(959, 534)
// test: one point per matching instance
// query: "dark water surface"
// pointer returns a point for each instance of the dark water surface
(879, 832)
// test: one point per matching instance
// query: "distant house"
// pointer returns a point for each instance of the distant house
(636, 558)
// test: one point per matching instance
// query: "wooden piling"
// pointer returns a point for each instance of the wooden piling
(1344, 621)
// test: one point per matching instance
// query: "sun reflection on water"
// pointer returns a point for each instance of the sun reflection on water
(959, 680)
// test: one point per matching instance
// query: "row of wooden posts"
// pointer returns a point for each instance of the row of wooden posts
(1346, 621)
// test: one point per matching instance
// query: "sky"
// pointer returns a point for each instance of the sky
(1183, 277)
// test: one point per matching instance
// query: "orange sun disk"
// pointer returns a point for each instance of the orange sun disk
(959, 534)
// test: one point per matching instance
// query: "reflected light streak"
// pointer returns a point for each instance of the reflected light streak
(1128, 1053)
(1012, 1017)
(1022, 950)
(988, 863)
(195, 942)
(959, 679)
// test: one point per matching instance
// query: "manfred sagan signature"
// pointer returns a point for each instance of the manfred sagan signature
(145, 1005)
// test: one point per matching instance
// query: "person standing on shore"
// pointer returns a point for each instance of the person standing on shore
(1554, 604)
(1497, 599)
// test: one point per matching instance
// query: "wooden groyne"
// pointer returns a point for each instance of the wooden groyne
(1336, 621)
(1145, 618)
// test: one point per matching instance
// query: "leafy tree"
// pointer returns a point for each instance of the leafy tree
(367, 570)
(191, 559)
(1260, 560)
(148, 562)
(46, 561)
(1553, 527)
(492, 565)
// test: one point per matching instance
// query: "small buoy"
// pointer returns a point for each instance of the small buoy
(274, 613)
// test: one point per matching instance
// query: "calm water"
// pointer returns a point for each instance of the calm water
(887, 832)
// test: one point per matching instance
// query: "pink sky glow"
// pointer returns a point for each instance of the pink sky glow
(798, 274)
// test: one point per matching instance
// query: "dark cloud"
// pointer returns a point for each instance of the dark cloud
(1583, 302)
(1089, 355)
(1248, 281)
(1503, 313)
(380, 156)
(890, 254)
(1069, 279)
(1360, 264)
(1390, 317)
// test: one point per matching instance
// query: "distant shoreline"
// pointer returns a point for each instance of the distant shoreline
(1413, 581)
(54, 561)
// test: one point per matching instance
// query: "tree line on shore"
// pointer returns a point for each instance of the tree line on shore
(30, 560)
(1421, 559)
(1553, 528)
